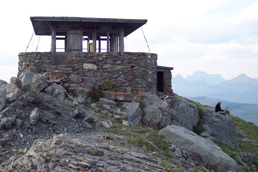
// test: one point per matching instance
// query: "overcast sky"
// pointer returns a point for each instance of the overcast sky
(214, 36)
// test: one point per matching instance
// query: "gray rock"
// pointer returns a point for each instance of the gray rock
(187, 114)
(133, 111)
(178, 153)
(120, 113)
(13, 92)
(57, 91)
(6, 139)
(8, 122)
(85, 124)
(123, 138)
(16, 81)
(47, 102)
(82, 92)
(2, 83)
(205, 134)
(249, 157)
(33, 82)
(205, 152)
(107, 107)
(107, 124)
(2, 98)
(34, 116)
(110, 103)
(153, 117)
(18, 123)
(223, 127)
(158, 113)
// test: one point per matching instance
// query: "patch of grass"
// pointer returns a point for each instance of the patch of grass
(199, 127)
(232, 152)
(19, 152)
(141, 142)
(248, 129)
(247, 146)
(96, 152)
(141, 102)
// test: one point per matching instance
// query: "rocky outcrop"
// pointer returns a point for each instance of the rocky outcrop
(2, 98)
(158, 113)
(133, 112)
(33, 82)
(205, 152)
(33, 107)
(66, 153)
(219, 127)
(187, 114)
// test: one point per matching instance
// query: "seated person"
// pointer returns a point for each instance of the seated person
(219, 110)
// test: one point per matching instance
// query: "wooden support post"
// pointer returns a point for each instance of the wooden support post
(112, 43)
(94, 38)
(108, 43)
(121, 40)
(53, 38)
(99, 44)
(88, 44)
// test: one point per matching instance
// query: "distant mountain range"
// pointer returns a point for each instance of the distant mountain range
(241, 89)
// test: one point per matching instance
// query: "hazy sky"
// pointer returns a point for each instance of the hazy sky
(217, 37)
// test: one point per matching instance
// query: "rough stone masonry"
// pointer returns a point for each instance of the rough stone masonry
(132, 72)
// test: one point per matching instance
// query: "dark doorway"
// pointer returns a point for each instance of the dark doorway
(160, 81)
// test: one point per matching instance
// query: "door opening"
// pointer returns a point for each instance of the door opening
(160, 81)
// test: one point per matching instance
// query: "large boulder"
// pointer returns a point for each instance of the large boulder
(2, 83)
(82, 93)
(204, 151)
(222, 128)
(157, 112)
(133, 111)
(187, 114)
(33, 82)
(13, 92)
(57, 91)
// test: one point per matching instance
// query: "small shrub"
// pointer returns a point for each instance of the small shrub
(141, 142)
(95, 94)
(108, 85)
(199, 127)
(96, 152)
(70, 91)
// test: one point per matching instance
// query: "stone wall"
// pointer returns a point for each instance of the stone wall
(132, 72)
(167, 82)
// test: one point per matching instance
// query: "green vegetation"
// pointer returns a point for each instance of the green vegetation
(70, 91)
(96, 152)
(248, 129)
(95, 94)
(144, 137)
(199, 127)
(142, 103)
(108, 85)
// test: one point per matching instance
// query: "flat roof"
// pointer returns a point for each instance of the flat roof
(42, 25)
(161, 68)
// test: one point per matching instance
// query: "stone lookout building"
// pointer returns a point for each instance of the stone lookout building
(93, 52)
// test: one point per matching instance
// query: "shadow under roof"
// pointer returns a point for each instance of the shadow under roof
(42, 25)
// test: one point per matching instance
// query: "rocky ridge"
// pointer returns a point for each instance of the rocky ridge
(44, 128)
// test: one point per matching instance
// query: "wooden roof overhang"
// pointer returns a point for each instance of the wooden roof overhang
(164, 68)
(76, 29)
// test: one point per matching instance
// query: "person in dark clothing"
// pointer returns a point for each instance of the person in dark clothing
(218, 108)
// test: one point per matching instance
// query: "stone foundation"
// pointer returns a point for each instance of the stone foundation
(132, 72)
